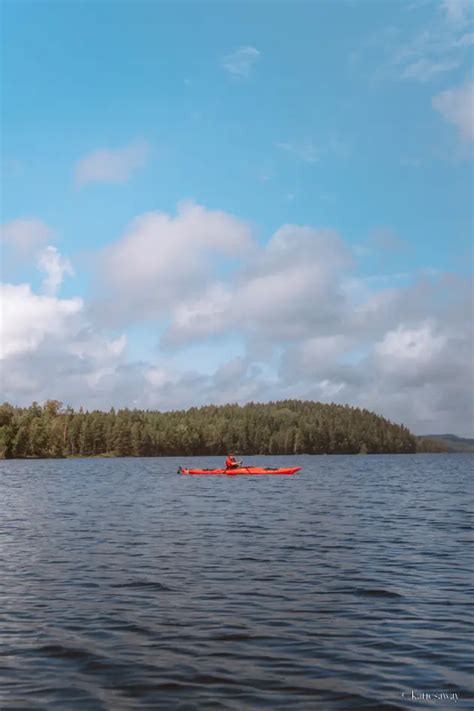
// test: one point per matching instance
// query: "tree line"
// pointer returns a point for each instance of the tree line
(285, 427)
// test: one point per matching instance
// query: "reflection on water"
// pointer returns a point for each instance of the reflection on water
(127, 586)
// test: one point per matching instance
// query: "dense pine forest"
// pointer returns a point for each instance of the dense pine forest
(287, 427)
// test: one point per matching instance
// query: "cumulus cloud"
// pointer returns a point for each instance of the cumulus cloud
(410, 350)
(293, 283)
(288, 286)
(111, 165)
(41, 334)
(241, 62)
(318, 359)
(406, 352)
(307, 325)
(28, 318)
(415, 368)
(25, 236)
(456, 106)
(236, 380)
(55, 267)
(163, 260)
(205, 315)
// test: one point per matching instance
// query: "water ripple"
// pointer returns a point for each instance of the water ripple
(125, 586)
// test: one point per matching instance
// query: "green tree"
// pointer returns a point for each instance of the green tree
(86, 438)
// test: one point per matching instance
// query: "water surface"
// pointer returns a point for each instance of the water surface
(126, 586)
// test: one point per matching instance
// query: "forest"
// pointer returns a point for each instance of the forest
(285, 427)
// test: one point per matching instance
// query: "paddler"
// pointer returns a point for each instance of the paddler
(231, 462)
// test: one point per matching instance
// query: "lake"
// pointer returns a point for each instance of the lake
(126, 586)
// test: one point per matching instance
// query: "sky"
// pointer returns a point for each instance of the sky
(212, 202)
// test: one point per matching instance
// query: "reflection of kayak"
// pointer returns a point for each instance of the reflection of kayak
(242, 470)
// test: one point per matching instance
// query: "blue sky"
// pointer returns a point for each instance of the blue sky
(350, 122)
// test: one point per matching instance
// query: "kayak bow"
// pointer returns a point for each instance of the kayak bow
(240, 471)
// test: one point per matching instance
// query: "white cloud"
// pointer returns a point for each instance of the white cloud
(241, 62)
(101, 356)
(302, 321)
(55, 267)
(158, 377)
(414, 370)
(286, 287)
(292, 284)
(312, 356)
(204, 315)
(25, 236)
(41, 335)
(86, 344)
(165, 260)
(457, 107)
(412, 362)
(111, 165)
(236, 380)
(408, 348)
(371, 342)
(28, 318)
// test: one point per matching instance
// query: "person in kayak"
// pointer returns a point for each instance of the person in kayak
(231, 462)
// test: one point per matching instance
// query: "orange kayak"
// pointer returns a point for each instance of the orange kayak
(240, 471)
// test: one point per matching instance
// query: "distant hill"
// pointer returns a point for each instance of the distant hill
(453, 443)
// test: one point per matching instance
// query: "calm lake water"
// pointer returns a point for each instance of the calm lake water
(126, 586)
